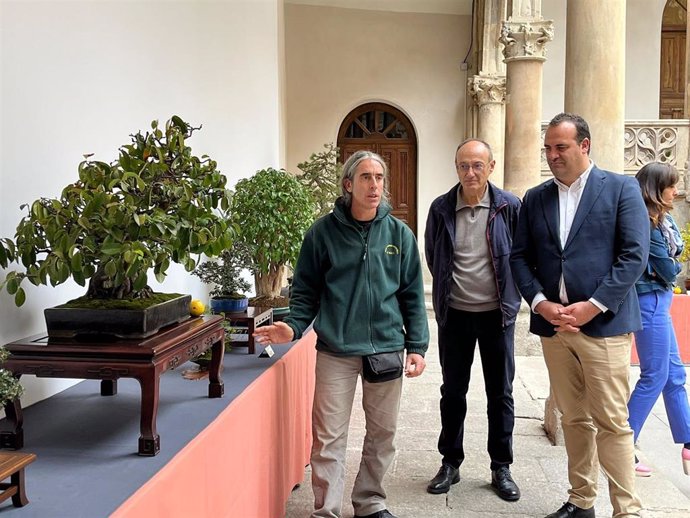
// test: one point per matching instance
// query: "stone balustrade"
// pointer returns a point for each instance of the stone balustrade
(649, 141)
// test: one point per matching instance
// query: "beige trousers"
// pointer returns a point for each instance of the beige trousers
(589, 378)
(336, 380)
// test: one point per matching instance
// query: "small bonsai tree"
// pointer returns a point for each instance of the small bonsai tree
(272, 211)
(320, 175)
(685, 235)
(10, 388)
(226, 272)
(685, 256)
(155, 204)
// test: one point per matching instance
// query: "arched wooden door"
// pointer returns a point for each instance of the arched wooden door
(672, 69)
(385, 130)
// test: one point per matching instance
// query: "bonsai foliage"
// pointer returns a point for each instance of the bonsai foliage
(272, 211)
(155, 204)
(9, 385)
(685, 234)
(320, 175)
(226, 273)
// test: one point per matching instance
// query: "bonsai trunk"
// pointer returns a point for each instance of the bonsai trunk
(269, 284)
(101, 286)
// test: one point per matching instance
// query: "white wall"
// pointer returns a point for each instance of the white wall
(339, 58)
(642, 55)
(80, 76)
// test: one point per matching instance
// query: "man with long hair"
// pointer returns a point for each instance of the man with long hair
(359, 275)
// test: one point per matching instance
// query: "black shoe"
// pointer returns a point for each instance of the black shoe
(378, 514)
(447, 475)
(503, 483)
(572, 511)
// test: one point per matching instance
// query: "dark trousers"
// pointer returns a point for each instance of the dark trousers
(456, 341)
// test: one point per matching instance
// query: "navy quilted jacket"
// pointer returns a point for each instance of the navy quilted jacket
(439, 238)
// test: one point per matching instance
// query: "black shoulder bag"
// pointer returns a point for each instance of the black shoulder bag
(380, 367)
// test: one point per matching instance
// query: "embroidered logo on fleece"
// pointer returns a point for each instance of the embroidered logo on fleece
(391, 250)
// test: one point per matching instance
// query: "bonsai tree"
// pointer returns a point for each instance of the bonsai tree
(226, 273)
(685, 256)
(685, 235)
(272, 211)
(155, 204)
(320, 174)
(10, 387)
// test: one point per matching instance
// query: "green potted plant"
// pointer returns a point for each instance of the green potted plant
(271, 210)
(229, 292)
(155, 204)
(320, 174)
(685, 256)
(10, 388)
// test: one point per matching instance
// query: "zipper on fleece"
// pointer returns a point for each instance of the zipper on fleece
(368, 277)
(366, 267)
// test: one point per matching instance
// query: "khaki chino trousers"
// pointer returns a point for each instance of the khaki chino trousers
(336, 380)
(589, 379)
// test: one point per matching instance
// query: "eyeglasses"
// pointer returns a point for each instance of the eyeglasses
(477, 167)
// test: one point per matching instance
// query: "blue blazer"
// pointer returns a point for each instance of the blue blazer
(606, 251)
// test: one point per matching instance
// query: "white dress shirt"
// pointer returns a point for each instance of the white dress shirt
(568, 201)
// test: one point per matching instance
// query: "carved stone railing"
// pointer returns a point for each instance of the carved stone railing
(658, 141)
(651, 141)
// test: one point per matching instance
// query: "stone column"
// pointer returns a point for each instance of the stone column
(595, 75)
(524, 50)
(488, 93)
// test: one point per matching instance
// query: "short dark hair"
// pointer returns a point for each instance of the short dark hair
(581, 126)
(653, 179)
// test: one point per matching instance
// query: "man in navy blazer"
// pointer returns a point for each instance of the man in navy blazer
(582, 242)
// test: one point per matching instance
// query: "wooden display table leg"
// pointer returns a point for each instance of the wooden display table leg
(12, 465)
(108, 387)
(251, 327)
(149, 440)
(216, 388)
(13, 438)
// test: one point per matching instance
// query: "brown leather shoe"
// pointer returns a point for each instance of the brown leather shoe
(572, 511)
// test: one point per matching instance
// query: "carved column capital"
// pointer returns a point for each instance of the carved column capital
(487, 89)
(525, 40)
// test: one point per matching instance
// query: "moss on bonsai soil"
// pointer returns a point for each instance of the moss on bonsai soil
(270, 302)
(133, 304)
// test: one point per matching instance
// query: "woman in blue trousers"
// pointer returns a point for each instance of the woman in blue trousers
(661, 371)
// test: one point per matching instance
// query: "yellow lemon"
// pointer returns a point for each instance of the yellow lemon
(676, 290)
(196, 307)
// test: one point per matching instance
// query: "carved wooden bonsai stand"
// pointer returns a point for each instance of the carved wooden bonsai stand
(143, 359)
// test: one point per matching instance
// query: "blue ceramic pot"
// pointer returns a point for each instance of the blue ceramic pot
(228, 305)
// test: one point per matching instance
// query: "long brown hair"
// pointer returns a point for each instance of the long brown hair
(653, 179)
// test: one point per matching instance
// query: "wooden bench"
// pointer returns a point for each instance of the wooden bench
(12, 465)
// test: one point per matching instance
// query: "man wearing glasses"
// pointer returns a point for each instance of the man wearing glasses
(468, 237)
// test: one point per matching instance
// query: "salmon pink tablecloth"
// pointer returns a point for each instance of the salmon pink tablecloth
(245, 463)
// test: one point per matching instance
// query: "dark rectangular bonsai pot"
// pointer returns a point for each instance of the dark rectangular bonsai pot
(122, 323)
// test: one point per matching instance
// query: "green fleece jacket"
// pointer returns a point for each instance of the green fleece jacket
(364, 288)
